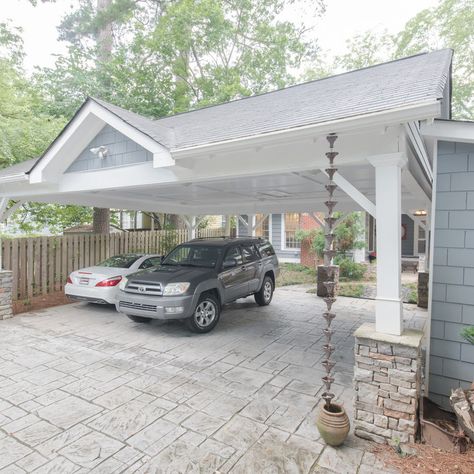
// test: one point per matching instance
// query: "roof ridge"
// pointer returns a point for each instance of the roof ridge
(373, 66)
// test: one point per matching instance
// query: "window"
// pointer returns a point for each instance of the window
(292, 222)
(194, 256)
(151, 262)
(421, 240)
(266, 250)
(120, 261)
(234, 253)
(263, 228)
(249, 253)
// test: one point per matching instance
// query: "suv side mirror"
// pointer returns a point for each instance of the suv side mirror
(229, 263)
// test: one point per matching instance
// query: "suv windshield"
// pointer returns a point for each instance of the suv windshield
(120, 261)
(194, 256)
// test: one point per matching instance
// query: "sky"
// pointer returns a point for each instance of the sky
(342, 20)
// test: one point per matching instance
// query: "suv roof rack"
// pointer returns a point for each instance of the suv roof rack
(228, 237)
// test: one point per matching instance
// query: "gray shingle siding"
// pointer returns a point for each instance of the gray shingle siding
(121, 151)
(452, 358)
(407, 243)
(276, 231)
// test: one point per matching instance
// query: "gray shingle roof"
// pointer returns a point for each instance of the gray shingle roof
(377, 88)
(382, 87)
(22, 167)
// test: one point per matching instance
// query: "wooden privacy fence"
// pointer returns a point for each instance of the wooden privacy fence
(41, 265)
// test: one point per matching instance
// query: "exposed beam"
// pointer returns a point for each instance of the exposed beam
(259, 221)
(8, 212)
(353, 193)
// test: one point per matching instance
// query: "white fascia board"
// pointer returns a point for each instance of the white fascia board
(448, 130)
(83, 128)
(416, 140)
(422, 111)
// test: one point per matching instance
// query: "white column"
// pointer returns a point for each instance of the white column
(251, 224)
(388, 197)
(227, 225)
(193, 227)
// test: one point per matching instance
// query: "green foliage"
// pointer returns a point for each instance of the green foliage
(347, 234)
(25, 130)
(447, 25)
(468, 334)
(348, 269)
(172, 55)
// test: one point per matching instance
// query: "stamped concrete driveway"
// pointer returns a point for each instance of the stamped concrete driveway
(84, 389)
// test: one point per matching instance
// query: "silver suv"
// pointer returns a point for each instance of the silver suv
(197, 278)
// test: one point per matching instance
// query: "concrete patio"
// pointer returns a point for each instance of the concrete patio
(84, 389)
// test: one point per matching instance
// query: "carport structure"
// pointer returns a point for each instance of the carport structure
(262, 154)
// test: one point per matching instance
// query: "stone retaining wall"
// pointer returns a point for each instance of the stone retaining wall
(387, 383)
(6, 279)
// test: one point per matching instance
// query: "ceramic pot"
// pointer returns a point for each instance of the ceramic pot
(333, 424)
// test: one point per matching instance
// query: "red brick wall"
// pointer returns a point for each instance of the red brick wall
(307, 257)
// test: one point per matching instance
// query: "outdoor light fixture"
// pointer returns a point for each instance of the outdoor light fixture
(420, 213)
(100, 151)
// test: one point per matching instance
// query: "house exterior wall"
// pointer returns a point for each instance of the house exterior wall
(121, 151)
(276, 237)
(452, 358)
(407, 243)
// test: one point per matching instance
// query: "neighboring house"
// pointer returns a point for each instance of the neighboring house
(280, 230)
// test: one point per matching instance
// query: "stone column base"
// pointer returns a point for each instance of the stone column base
(423, 285)
(387, 383)
(6, 279)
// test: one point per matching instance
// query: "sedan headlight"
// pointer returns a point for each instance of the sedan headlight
(123, 283)
(173, 289)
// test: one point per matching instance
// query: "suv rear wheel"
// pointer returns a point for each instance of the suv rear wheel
(265, 294)
(139, 319)
(206, 315)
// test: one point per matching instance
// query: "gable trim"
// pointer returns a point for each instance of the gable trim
(73, 139)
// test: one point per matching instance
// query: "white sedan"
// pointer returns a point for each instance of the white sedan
(99, 284)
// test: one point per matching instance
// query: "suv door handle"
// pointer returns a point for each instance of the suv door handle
(243, 267)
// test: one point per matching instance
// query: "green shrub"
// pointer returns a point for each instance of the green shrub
(349, 270)
(468, 334)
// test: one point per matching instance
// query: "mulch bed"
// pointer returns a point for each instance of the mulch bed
(424, 459)
(41, 302)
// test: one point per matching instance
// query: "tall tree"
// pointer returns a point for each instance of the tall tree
(101, 216)
(450, 24)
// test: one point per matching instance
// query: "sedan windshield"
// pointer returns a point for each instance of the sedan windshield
(194, 256)
(120, 261)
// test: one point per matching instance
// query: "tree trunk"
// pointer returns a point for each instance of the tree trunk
(101, 221)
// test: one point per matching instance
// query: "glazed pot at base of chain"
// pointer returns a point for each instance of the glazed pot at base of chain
(333, 424)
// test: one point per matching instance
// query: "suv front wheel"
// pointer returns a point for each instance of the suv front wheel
(206, 315)
(265, 294)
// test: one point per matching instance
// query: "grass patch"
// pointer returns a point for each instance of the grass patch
(295, 274)
(352, 290)
(412, 293)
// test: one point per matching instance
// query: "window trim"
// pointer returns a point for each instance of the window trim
(283, 235)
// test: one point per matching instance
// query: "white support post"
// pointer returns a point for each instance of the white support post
(388, 191)
(251, 225)
(227, 230)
